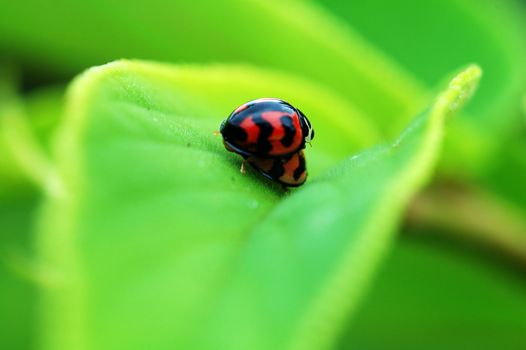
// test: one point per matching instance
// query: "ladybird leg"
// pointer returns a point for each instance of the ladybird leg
(242, 169)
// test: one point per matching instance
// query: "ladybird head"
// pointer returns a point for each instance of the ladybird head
(308, 131)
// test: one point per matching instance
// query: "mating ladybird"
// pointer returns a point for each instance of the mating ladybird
(288, 171)
(270, 134)
(266, 127)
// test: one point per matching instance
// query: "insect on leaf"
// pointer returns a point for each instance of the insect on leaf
(160, 242)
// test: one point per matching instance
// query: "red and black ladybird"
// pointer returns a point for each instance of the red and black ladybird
(266, 127)
(289, 171)
(270, 134)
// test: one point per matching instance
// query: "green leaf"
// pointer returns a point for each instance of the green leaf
(491, 209)
(505, 178)
(18, 293)
(23, 160)
(436, 294)
(158, 241)
(43, 110)
(9, 174)
(476, 30)
(295, 36)
(24, 153)
(26, 126)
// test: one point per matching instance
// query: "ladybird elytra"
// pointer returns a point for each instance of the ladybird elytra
(267, 127)
(270, 134)
(289, 171)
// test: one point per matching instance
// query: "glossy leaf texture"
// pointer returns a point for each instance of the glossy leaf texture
(158, 241)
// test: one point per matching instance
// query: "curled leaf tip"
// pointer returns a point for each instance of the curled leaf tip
(462, 87)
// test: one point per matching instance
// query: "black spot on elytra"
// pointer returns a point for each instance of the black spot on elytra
(263, 145)
(290, 130)
(301, 167)
(277, 169)
(233, 133)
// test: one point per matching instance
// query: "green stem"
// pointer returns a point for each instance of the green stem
(473, 214)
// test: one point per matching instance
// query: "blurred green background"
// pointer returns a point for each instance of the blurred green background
(455, 278)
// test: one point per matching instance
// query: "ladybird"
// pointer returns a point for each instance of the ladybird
(290, 171)
(266, 127)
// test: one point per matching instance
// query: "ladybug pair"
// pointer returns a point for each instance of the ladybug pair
(270, 134)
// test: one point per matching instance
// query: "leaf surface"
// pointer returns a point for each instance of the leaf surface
(295, 36)
(435, 294)
(158, 241)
